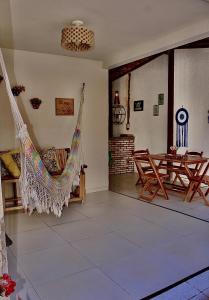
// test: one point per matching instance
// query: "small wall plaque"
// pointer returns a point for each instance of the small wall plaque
(160, 99)
(64, 106)
(139, 105)
(155, 110)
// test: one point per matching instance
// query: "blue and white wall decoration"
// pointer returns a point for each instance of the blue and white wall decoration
(182, 118)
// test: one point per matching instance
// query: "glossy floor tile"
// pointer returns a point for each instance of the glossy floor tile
(68, 215)
(80, 230)
(182, 292)
(23, 287)
(106, 249)
(51, 264)
(200, 282)
(134, 272)
(20, 222)
(88, 285)
(36, 240)
(110, 247)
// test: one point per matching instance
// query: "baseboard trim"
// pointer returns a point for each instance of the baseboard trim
(97, 189)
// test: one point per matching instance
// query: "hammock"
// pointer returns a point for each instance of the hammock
(39, 190)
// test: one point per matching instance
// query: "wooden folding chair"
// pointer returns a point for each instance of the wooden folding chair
(194, 169)
(153, 180)
(194, 186)
(145, 168)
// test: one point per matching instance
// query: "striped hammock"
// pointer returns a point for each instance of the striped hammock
(39, 190)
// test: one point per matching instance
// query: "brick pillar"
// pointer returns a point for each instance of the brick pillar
(121, 149)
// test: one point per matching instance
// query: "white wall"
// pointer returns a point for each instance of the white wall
(146, 83)
(192, 91)
(49, 76)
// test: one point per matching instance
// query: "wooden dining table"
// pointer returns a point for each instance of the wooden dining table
(180, 164)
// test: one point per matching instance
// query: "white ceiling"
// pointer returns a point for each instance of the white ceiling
(35, 25)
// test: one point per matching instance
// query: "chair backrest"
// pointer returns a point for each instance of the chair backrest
(140, 152)
(199, 179)
(205, 170)
(194, 153)
(195, 167)
(145, 160)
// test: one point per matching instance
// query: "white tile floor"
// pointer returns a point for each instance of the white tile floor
(112, 247)
(125, 184)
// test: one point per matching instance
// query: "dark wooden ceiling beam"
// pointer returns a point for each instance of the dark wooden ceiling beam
(204, 43)
(120, 71)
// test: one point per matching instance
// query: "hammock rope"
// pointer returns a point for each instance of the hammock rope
(39, 190)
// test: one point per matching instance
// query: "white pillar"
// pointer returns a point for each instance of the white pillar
(3, 251)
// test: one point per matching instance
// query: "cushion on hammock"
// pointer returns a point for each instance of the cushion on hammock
(50, 161)
(62, 156)
(16, 157)
(10, 164)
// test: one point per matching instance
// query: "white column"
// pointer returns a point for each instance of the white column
(3, 251)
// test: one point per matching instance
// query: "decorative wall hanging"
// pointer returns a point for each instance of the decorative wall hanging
(160, 99)
(77, 37)
(156, 110)
(17, 89)
(35, 102)
(139, 105)
(128, 103)
(182, 117)
(118, 111)
(64, 106)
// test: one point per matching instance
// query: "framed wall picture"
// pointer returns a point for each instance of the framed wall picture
(160, 99)
(155, 110)
(139, 105)
(64, 106)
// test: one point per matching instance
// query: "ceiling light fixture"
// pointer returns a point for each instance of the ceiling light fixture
(77, 37)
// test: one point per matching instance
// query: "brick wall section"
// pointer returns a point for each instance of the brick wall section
(121, 149)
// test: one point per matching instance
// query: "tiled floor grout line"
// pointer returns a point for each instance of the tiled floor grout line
(26, 277)
(94, 266)
(99, 267)
(34, 287)
(158, 205)
(65, 276)
(122, 288)
(179, 282)
(157, 293)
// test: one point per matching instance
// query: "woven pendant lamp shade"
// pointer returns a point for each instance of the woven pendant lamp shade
(77, 37)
